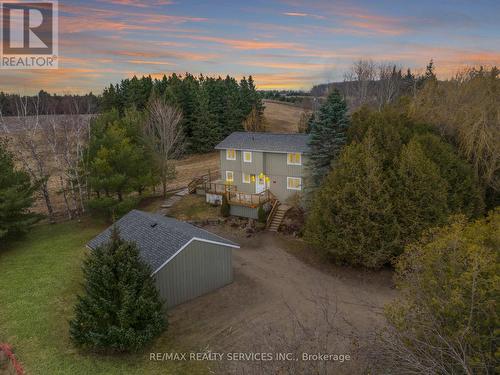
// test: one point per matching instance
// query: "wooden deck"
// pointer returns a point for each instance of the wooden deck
(234, 197)
(249, 200)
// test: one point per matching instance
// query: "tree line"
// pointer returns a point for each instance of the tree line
(414, 184)
(52, 104)
(212, 108)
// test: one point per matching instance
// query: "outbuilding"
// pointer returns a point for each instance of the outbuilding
(186, 261)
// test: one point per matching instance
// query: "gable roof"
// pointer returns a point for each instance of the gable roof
(269, 142)
(158, 238)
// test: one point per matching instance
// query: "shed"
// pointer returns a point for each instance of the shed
(186, 261)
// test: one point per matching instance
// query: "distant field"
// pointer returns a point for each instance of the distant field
(282, 118)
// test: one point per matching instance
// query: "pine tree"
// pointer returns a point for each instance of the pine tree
(327, 137)
(352, 217)
(16, 197)
(121, 308)
(205, 131)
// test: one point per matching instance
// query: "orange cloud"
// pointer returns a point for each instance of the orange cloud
(149, 62)
(247, 44)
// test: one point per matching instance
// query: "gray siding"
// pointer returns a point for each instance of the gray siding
(200, 268)
(273, 165)
(243, 211)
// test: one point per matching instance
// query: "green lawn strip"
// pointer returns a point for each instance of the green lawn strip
(40, 276)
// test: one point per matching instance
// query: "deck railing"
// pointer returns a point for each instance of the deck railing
(218, 188)
(249, 200)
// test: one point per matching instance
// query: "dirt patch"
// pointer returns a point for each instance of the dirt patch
(271, 289)
(194, 208)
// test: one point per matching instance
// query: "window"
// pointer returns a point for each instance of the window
(230, 154)
(229, 176)
(294, 158)
(247, 156)
(294, 183)
(245, 178)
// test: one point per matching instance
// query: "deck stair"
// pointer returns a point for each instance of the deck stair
(276, 216)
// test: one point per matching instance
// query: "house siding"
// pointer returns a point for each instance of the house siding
(243, 211)
(198, 269)
(273, 165)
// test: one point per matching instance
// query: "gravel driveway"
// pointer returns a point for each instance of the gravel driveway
(278, 303)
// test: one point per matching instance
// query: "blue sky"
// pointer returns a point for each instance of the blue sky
(290, 44)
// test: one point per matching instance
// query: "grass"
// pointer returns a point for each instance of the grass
(40, 277)
(281, 118)
(194, 207)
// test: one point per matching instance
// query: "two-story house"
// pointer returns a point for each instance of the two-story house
(256, 163)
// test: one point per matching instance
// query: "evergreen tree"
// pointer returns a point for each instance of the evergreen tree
(421, 192)
(16, 197)
(120, 309)
(117, 159)
(464, 192)
(205, 131)
(352, 218)
(327, 137)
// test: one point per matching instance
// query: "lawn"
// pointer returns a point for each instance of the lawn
(40, 276)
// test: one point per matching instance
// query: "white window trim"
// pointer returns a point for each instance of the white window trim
(232, 174)
(247, 152)
(243, 178)
(295, 178)
(227, 154)
(288, 158)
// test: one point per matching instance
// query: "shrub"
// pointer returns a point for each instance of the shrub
(225, 209)
(262, 214)
(352, 218)
(120, 309)
(16, 197)
(445, 319)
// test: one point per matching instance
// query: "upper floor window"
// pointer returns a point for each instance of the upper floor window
(294, 158)
(294, 183)
(229, 177)
(230, 154)
(247, 156)
(245, 178)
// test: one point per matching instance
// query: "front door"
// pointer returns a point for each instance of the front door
(260, 184)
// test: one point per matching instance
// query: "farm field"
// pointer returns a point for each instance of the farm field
(281, 118)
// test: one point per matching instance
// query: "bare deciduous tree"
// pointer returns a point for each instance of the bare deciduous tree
(389, 83)
(26, 133)
(358, 80)
(164, 134)
(66, 136)
(254, 122)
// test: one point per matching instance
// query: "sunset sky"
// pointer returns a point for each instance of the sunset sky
(290, 44)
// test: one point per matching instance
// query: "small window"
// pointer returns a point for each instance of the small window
(294, 183)
(245, 178)
(230, 154)
(247, 156)
(294, 158)
(229, 176)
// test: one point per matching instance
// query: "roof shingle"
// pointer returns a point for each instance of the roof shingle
(157, 237)
(268, 142)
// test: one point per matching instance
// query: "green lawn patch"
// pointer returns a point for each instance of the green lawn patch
(40, 277)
